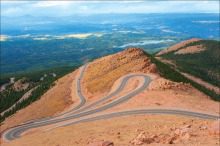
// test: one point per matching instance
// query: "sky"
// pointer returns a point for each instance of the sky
(68, 8)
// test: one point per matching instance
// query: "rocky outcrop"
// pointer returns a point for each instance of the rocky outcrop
(153, 68)
(101, 143)
(163, 84)
(102, 73)
(21, 84)
(177, 135)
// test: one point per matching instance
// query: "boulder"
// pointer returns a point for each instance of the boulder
(101, 143)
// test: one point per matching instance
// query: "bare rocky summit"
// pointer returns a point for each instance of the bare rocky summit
(103, 72)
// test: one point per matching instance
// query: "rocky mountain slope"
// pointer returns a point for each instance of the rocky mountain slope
(102, 73)
(100, 78)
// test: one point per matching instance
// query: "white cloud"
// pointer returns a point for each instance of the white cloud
(206, 22)
(52, 3)
(144, 42)
(65, 8)
(12, 10)
(169, 31)
(3, 38)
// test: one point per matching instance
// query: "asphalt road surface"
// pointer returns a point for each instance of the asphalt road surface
(78, 113)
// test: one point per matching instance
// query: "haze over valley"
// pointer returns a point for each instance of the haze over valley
(40, 42)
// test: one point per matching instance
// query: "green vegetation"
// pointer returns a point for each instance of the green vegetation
(34, 76)
(11, 96)
(4, 80)
(36, 94)
(204, 65)
(167, 72)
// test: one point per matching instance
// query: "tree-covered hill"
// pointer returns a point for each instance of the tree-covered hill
(204, 64)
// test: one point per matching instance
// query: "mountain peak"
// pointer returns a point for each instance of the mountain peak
(103, 72)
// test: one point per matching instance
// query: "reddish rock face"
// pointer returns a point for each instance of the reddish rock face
(101, 74)
(101, 143)
(153, 68)
(107, 143)
(177, 135)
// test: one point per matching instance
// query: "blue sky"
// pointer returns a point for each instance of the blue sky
(68, 8)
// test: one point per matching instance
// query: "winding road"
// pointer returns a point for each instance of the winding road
(79, 113)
